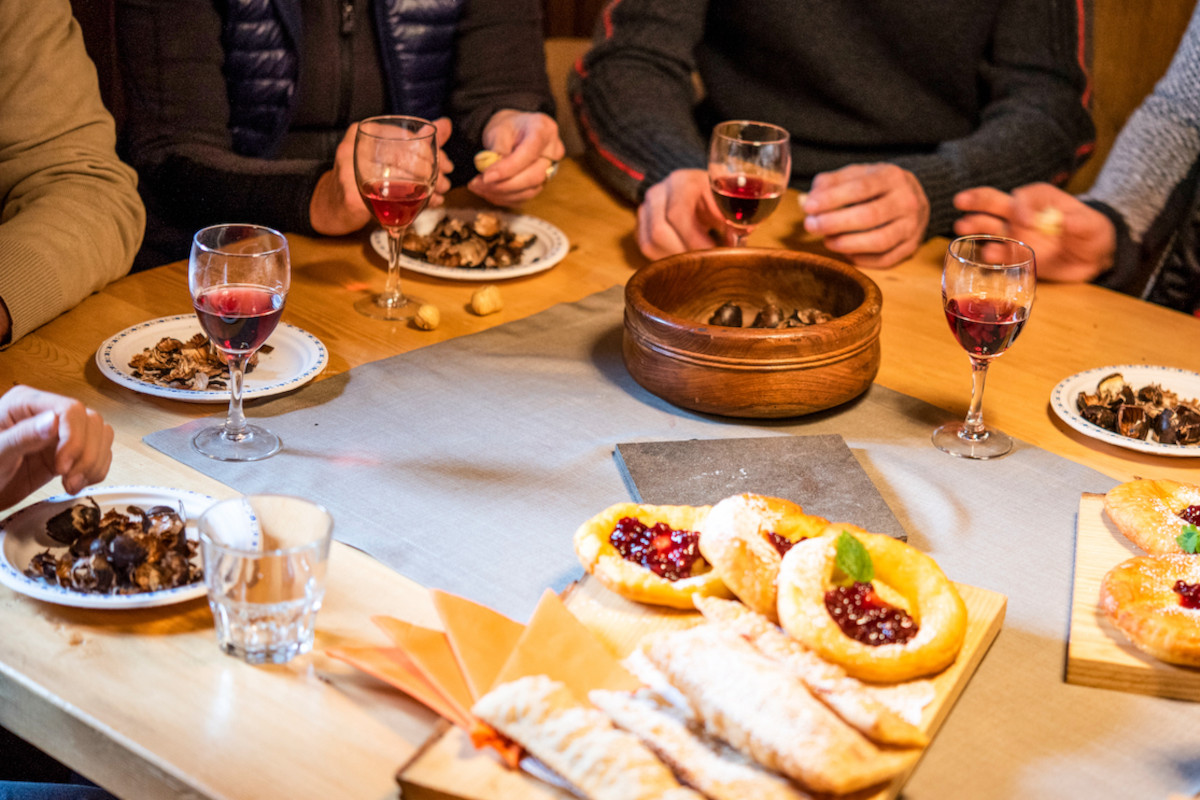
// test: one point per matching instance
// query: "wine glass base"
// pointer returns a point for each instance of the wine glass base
(952, 438)
(255, 444)
(377, 306)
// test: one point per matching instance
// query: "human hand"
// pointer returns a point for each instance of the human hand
(874, 214)
(336, 207)
(677, 215)
(1073, 241)
(529, 145)
(43, 435)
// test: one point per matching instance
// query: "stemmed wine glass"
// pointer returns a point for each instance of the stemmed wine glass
(988, 284)
(749, 164)
(238, 276)
(395, 166)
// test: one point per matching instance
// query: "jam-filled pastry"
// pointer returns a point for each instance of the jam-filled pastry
(1152, 513)
(759, 708)
(745, 536)
(701, 762)
(1155, 601)
(578, 742)
(649, 553)
(866, 708)
(907, 622)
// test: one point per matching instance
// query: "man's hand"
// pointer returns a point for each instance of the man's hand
(336, 208)
(43, 435)
(677, 215)
(1073, 241)
(874, 214)
(528, 145)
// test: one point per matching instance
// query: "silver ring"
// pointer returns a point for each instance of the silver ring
(551, 170)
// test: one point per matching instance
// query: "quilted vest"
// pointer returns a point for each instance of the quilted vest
(416, 46)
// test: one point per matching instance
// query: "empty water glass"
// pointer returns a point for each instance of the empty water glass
(264, 566)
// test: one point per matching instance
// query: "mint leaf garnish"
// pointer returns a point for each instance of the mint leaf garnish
(853, 559)
(1189, 540)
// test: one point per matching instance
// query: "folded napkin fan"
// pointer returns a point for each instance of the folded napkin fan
(480, 648)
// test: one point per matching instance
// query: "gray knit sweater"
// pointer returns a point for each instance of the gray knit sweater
(987, 92)
(1148, 187)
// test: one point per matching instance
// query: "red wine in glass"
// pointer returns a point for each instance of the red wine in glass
(238, 319)
(985, 326)
(988, 285)
(396, 203)
(744, 200)
(238, 276)
(396, 166)
(749, 164)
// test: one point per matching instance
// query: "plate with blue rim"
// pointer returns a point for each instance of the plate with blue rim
(549, 246)
(295, 358)
(23, 535)
(1184, 383)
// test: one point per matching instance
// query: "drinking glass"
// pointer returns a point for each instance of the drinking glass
(749, 164)
(395, 166)
(238, 276)
(988, 284)
(264, 568)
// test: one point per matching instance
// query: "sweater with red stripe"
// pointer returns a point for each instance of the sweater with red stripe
(990, 92)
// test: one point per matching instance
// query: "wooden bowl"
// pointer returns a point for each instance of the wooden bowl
(672, 350)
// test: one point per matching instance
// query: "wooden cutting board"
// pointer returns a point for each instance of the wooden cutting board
(449, 768)
(1097, 653)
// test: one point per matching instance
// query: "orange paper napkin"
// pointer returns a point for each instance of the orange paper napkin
(481, 648)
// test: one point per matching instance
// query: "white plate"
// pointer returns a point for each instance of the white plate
(296, 359)
(547, 250)
(1182, 382)
(23, 535)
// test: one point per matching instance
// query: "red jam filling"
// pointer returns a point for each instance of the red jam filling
(865, 617)
(1189, 594)
(668, 553)
(782, 543)
(1191, 514)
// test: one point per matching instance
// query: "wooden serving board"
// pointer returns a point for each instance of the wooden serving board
(449, 768)
(1097, 653)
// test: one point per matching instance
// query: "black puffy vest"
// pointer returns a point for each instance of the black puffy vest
(262, 63)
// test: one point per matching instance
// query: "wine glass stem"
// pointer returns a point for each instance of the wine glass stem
(973, 426)
(739, 236)
(235, 423)
(392, 296)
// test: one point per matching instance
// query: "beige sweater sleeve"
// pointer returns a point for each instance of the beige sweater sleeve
(70, 217)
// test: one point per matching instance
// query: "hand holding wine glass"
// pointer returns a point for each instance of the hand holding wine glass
(988, 285)
(238, 276)
(396, 165)
(749, 164)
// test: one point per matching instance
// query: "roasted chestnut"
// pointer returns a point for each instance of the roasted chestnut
(729, 315)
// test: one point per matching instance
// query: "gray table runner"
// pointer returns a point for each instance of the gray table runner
(468, 465)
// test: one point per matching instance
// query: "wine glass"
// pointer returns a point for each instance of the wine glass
(395, 166)
(238, 276)
(749, 164)
(988, 284)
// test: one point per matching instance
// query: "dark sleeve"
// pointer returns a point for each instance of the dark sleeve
(177, 134)
(499, 63)
(1035, 125)
(633, 93)
(1127, 272)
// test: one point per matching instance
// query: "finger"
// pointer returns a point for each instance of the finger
(28, 436)
(72, 437)
(656, 238)
(850, 185)
(883, 260)
(94, 461)
(985, 200)
(980, 223)
(879, 240)
(444, 128)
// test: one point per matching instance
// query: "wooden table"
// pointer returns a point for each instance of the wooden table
(143, 702)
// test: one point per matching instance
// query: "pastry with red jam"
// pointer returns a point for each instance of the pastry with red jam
(874, 605)
(745, 537)
(1155, 602)
(1153, 513)
(649, 554)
